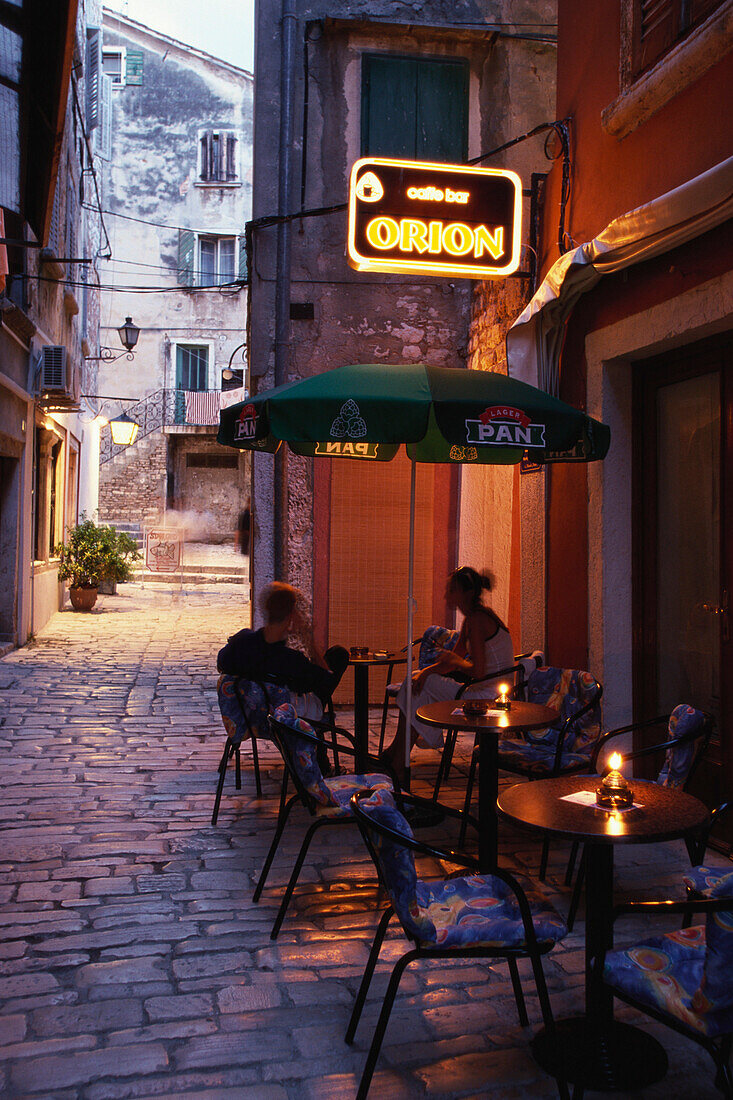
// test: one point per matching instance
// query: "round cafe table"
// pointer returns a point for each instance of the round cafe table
(448, 714)
(595, 1050)
(361, 667)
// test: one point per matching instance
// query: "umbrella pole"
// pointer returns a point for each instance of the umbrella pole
(410, 617)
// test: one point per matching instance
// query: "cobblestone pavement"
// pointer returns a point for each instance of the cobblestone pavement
(133, 962)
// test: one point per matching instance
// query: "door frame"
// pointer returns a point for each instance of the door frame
(689, 361)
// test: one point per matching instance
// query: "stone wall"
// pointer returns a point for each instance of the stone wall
(132, 485)
(494, 308)
(209, 496)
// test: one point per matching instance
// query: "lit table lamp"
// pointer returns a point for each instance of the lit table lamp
(502, 701)
(614, 792)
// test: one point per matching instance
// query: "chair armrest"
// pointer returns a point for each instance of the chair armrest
(501, 672)
(716, 816)
(631, 728)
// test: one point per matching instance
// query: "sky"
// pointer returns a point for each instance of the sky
(224, 28)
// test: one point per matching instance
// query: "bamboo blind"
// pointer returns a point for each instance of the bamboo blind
(368, 578)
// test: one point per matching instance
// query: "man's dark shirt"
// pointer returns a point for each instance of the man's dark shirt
(247, 654)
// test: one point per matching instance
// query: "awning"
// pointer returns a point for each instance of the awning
(534, 341)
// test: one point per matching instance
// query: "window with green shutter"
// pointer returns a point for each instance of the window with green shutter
(414, 107)
(186, 252)
(134, 67)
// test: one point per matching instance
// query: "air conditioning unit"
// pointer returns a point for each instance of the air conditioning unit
(59, 381)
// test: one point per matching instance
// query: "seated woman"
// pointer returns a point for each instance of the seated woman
(484, 646)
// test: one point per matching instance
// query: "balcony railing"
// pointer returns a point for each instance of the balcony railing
(164, 408)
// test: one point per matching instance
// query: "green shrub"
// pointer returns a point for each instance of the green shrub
(92, 554)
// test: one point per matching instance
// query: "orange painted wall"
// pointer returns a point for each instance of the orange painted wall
(686, 137)
(610, 176)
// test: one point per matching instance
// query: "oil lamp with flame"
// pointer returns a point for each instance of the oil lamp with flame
(614, 792)
(502, 701)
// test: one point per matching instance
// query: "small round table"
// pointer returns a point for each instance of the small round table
(595, 1050)
(361, 698)
(448, 714)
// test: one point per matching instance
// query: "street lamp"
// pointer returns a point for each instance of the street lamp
(128, 334)
(124, 429)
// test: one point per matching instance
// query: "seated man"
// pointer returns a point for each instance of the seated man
(263, 654)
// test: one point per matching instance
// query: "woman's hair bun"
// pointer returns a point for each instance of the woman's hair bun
(469, 578)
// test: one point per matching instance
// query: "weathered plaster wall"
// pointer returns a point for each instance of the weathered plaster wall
(153, 176)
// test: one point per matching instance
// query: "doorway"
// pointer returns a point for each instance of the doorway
(683, 505)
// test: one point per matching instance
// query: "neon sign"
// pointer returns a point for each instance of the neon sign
(434, 219)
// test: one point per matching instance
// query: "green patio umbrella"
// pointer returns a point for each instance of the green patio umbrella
(442, 414)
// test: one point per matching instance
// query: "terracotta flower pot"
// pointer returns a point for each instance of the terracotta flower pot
(83, 599)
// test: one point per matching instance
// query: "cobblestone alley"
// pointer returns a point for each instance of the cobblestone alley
(133, 962)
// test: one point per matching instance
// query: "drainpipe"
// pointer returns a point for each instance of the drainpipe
(288, 26)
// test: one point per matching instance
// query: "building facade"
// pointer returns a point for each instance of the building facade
(177, 186)
(635, 323)
(53, 233)
(434, 81)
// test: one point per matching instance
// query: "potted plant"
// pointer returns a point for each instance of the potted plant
(82, 563)
(94, 556)
(120, 551)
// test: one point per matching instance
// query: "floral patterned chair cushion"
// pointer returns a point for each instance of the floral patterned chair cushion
(702, 879)
(568, 691)
(683, 720)
(464, 911)
(666, 972)
(435, 639)
(331, 796)
(715, 995)
(255, 702)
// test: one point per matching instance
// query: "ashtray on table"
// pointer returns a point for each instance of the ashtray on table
(474, 708)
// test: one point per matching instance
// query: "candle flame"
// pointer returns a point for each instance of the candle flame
(503, 689)
(615, 760)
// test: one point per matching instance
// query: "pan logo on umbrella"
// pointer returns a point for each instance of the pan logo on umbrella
(504, 425)
(349, 422)
(246, 423)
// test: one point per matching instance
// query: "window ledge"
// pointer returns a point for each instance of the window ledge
(217, 183)
(680, 67)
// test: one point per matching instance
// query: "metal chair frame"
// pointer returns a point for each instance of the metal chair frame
(232, 746)
(232, 749)
(533, 950)
(557, 769)
(692, 843)
(718, 1048)
(451, 734)
(302, 796)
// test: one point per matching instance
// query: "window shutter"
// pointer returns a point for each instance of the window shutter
(104, 132)
(242, 270)
(700, 9)
(93, 71)
(414, 108)
(53, 234)
(186, 251)
(134, 67)
(441, 130)
(388, 116)
(207, 140)
(231, 157)
(656, 26)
